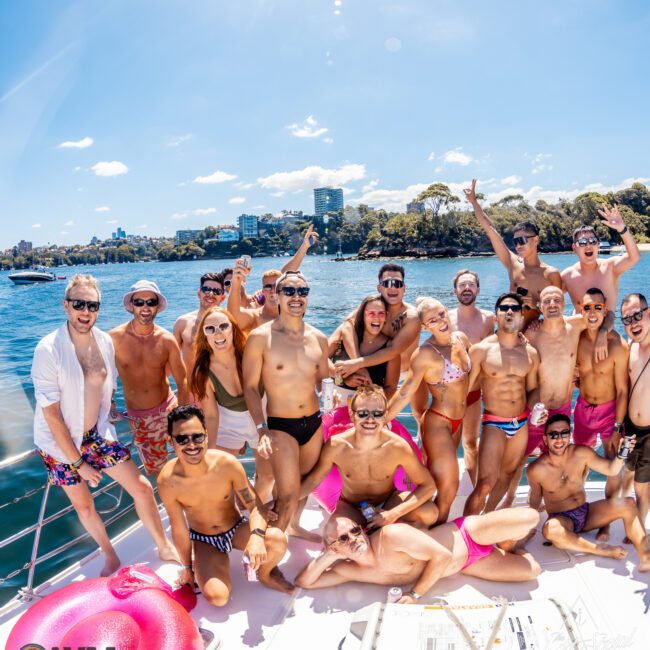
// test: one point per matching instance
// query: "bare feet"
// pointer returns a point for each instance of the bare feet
(616, 552)
(111, 565)
(299, 531)
(168, 553)
(644, 561)
(275, 580)
(603, 534)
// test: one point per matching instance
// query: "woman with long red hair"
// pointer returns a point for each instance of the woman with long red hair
(216, 381)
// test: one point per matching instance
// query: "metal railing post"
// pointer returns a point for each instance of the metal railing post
(27, 593)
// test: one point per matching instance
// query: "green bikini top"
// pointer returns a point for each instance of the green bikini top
(224, 398)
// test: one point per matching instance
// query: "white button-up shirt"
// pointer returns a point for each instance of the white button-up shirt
(58, 377)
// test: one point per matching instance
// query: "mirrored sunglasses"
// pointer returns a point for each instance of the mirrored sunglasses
(80, 305)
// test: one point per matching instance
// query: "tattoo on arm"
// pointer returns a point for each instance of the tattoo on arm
(246, 495)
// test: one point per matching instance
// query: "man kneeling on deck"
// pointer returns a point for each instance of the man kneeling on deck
(559, 477)
(400, 554)
(200, 484)
(367, 456)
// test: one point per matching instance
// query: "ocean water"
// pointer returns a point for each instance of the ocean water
(29, 312)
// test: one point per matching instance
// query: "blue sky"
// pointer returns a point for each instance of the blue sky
(160, 115)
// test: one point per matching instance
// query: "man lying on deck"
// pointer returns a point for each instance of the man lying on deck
(403, 555)
(559, 477)
(367, 456)
(200, 485)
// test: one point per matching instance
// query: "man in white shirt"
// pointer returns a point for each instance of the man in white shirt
(74, 380)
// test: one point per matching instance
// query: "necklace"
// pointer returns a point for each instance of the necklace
(142, 336)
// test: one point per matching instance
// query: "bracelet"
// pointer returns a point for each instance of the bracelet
(622, 232)
(78, 463)
(413, 594)
(258, 531)
(262, 425)
(187, 566)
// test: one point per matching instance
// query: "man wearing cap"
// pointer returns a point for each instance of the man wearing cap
(144, 352)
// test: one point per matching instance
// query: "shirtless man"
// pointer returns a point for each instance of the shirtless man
(476, 324)
(74, 378)
(636, 318)
(558, 476)
(199, 486)
(402, 555)
(290, 357)
(602, 403)
(210, 294)
(250, 317)
(367, 457)
(504, 367)
(528, 275)
(589, 270)
(143, 353)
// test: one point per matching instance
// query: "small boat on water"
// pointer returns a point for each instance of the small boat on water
(32, 276)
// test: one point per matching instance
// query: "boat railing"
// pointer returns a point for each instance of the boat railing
(26, 593)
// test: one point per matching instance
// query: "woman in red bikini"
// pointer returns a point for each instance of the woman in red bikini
(443, 363)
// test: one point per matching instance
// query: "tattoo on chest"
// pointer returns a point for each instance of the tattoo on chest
(398, 322)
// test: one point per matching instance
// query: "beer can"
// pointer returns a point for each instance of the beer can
(327, 394)
(246, 261)
(536, 413)
(249, 572)
(624, 451)
(394, 594)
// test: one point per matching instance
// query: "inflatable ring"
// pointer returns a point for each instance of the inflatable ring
(338, 421)
(134, 610)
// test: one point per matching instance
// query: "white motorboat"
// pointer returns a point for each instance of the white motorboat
(31, 276)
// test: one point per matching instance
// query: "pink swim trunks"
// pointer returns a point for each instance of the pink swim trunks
(536, 434)
(149, 428)
(475, 552)
(589, 420)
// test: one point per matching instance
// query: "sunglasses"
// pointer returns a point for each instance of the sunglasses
(523, 240)
(268, 287)
(626, 320)
(563, 433)
(214, 290)
(364, 414)
(433, 321)
(227, 283)
(586, 241)
(595, 306)
(355, 531)
(80, 305)
(392, 283)
(506, 308)
(303, 292)
(183, 439)
(211, 329)
(141, 302)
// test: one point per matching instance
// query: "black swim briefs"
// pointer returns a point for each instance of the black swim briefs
(639, 459)
(301, 429)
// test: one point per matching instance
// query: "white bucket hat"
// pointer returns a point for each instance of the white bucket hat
(144, 285)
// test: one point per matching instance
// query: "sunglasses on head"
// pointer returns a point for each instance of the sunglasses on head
(594, 306)
(141, 302)
(268, 287)
(562, 433)
(80, 305)
(364, 414)
(215, 290)
(211, 329)
(227, 283)
(587, 241)
(507, 308)
(522, 240)
(183, 438)
(345, 537)
(303, 292)
(626, 320)
(392, 283)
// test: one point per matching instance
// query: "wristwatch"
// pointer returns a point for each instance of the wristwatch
(622, 232)
(78, 463)
(262, 425)
(413, 594)
(259, 531)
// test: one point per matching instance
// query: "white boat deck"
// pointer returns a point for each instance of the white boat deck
(610, 599)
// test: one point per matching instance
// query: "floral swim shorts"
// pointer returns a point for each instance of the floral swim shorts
(98, 452)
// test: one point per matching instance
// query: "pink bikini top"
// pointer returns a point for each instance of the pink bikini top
(451, 372)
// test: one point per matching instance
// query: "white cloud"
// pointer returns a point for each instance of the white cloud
(393, 44)
(63, 232)
(177, 216)
(36, 225)
(328, 140)
(278, 194)
(313, 176)
(396, 200)
(69, 223)
(432, 156)
(438, 169)
(202, 212)
(113, 168)
(236, 200)
(308, 129)
(77, 168)
(177, 140)
(258, 207)
(214, 178)
(542, 156)
(112, 221)
(542, 168)
(539, 165)
(348, 190)
(511, 180)
(102, 208)
(370, 186)
(84, 143)
(243, 186)
(457, 157)
(143, 226)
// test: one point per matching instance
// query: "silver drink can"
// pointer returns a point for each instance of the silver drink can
(394, 594)
(536, 413)
(249, 572)
(624, 451)
(327, 394)
(246, 261)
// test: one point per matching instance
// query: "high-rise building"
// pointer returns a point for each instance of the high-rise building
(24, 246)
(94, 240)
(327, 199)
(247, 224)
(121, 234)
(186, 236)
